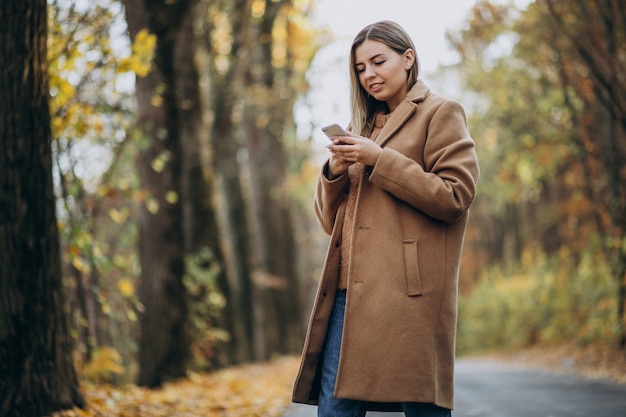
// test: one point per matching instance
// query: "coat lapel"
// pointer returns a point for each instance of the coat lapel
(403, 112)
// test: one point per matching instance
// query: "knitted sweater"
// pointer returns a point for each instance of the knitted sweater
(355, 173)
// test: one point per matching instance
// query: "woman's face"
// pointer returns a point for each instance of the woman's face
(382, 71)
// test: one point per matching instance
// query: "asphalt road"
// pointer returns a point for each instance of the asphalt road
(492, 389)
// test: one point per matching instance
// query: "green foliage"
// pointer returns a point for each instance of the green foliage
(206, 303)
(547, 300)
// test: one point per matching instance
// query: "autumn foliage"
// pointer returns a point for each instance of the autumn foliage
(183, 188)
(95, 68)
(546, 250)
(262, 390)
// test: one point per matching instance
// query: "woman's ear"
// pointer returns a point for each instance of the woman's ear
(409, 58)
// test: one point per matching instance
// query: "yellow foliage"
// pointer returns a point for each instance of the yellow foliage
(132, 316)
(546, 300)
(119, 216)
(245, 391)
(80, 264)
(156, 100)
(140, 60)
(104, 366)
(257, 9)
(302, 39)
(120, 261)
(294, 40)
(171, 197)
(126, 288)
(158, 163)
(152, 205)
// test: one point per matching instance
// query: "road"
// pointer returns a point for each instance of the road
(492, 389)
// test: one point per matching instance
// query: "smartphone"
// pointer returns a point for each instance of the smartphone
(334, 130)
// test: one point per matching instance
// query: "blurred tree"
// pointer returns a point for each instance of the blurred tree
(164, 345)
(271, 78)
(590, 62)
(201, 234)
(549, 94)
(224, 57)
(516, 165)
(91, 61)
(257, 53)
(37, 375)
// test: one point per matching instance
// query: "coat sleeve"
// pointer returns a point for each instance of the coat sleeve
(445, 186)
(329, 195)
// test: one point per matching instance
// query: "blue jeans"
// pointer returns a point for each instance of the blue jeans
(329, 406)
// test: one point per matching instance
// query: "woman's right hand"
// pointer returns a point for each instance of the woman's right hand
(337, 166)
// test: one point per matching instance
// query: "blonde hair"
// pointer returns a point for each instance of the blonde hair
(365, 107)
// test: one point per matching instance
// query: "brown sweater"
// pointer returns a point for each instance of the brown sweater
(355, 172)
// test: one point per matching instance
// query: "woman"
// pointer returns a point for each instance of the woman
(395, 197)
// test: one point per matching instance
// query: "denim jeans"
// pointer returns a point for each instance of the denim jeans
(329, 406)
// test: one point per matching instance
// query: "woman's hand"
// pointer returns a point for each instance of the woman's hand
(347, 150)
(337, 166)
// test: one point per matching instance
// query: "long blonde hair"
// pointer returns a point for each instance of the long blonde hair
(364, 107)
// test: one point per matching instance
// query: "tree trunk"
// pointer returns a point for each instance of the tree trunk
(164, 346)
(199, 216)
(37, 375)
(224, 89)
(267, 113)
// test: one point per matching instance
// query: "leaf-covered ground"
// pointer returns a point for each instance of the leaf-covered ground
(250, 391)
(265, 389)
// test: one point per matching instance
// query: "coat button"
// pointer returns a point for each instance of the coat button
(323, 293)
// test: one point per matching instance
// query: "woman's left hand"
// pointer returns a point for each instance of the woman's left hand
(353, 148)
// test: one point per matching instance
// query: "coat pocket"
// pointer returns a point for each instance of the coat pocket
(411, 268)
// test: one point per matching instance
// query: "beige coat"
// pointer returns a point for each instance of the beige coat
(411, 214)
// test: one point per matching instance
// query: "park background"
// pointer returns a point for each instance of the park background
(184, 146)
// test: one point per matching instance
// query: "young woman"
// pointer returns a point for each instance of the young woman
(394, 197)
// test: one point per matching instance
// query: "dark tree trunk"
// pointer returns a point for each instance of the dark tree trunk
(37, 375)
(267, 114)
(164, 346)
(224, 92)
(199, 216)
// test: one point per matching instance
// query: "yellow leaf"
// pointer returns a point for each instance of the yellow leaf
(152, 205)
(126, 288)
(156, 101)
(124, 184)
(140, 61)
(57, 123)
(158, 163)
(120, 261)
(131, 315)
(171, 197)
(118, 216)
(80, 264)
(106, 309)
(257, 9)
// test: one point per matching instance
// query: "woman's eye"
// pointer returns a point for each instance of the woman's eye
(379, 62)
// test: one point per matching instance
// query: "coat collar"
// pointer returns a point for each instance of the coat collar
(401, 114)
